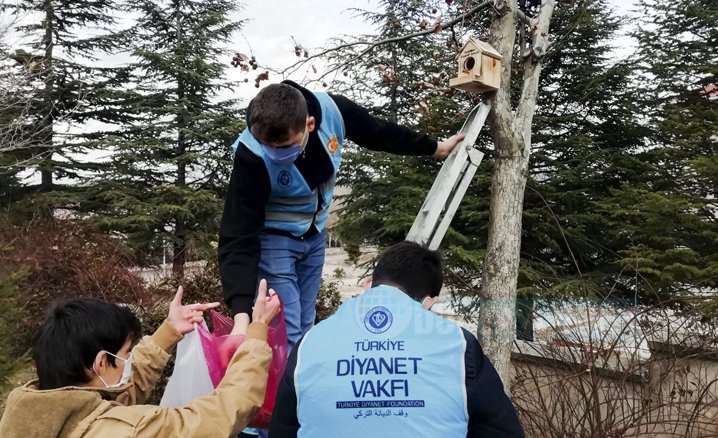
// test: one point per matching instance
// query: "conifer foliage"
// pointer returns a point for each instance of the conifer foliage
(620, 197)
(52, 84)
(165, 183)
(673, 215)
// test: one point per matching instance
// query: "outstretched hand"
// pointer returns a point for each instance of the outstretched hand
(266, 306)
(183, 318)
(444, 148)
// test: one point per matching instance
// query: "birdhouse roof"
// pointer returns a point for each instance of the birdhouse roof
(483, 46)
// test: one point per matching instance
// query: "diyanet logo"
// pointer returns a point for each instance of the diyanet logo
(284, 179)
(378, 320)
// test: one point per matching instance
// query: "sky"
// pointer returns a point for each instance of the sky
(271, 24)
(271, 27)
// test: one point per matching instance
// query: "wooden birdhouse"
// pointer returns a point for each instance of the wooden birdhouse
(479, 68)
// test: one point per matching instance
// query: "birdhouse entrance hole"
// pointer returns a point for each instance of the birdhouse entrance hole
(469, 63)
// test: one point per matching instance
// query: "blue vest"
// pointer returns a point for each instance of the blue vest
(292, 205)
(382, 366)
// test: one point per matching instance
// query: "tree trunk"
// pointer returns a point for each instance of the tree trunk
(46, 123)
(179, 246)
(497, 323)
(179, 251)
(512, 143)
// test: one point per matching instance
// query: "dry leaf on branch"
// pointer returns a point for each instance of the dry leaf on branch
(261, 77)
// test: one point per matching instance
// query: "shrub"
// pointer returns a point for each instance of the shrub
(339, 273)
(328, 300)
(61, 259)
(618, 372)
(10, 362)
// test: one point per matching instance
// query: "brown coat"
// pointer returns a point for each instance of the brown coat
(74, 412)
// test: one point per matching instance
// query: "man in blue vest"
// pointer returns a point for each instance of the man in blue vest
(277, 205)
(384, 365)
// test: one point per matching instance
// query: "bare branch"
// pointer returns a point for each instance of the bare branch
(13, 79)
(371, 45)
(21, 75)
(529, 92)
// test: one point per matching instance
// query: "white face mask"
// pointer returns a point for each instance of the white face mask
(126, 371)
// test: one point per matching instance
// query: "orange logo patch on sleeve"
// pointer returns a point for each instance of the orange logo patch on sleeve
(333, 144)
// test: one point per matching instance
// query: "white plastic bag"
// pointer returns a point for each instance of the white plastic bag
(190, 377)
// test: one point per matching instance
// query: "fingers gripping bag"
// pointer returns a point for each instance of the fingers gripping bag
(219, 348)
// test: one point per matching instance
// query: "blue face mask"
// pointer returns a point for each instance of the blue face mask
(285, 155)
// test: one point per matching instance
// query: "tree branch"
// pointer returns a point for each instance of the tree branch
(532, 71)
(582, 7)
(373, 44)
(502, 37)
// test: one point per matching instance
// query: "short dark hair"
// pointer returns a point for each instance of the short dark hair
(413, 268)
(73, 332)
(277, 112)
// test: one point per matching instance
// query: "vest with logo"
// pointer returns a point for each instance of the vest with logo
(382, 366)
(292, 205)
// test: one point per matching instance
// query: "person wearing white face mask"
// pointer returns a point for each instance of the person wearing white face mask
(126, 371)
(93, 379)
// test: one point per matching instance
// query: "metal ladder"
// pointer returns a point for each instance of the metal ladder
(451, 184)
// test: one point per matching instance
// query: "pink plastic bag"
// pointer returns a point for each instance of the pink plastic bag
(219, 348)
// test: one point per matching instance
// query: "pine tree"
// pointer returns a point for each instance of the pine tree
(13, 143)
(65, 87)
(406, 83)
(585, 143)
(671, 220)
(588, 155)
(169, 168)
